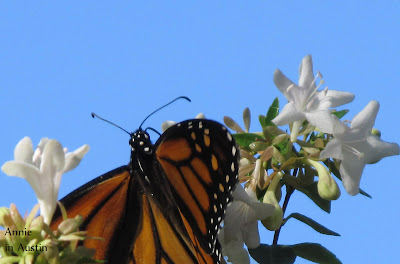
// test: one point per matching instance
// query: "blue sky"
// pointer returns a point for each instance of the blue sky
(122, 59)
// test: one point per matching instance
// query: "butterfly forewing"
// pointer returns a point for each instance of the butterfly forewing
(200, 160)
(103, 204)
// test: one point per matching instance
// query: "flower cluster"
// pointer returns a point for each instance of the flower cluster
(43, 169)
(37, 243)
(273, 159)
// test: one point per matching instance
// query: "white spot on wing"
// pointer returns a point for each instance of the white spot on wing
(229, 136)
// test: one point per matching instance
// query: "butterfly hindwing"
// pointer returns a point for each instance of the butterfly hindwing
(200, 160)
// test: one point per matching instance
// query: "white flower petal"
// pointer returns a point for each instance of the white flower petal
(321, 119)
(47, 208)
(335, 98)
(200, 116)
(234, 250)
(24, 150)
(251, 237)
(305, 101)
(43, 169)
(351, 170)
(167, 124)
(288, 115)
(332, 150)
(282, 82)
(233, 221)
(380, 149)
(37, 155)
(51, 167)
(239, 194)
(355, 146)
(339, 127)
(306, 76)
(26, 171)
(365, 120)
(53, 157)
(242, 215)
(72, 159)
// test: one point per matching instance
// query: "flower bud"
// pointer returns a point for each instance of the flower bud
(327, 186)
(243, 162)
(295, 128)
(259, 175)
(229, 122)
(16, 216)
(52, 254)
(37, 224)
(31, 216)
(167, 124)
(376, 132)
(274, 221)
(29, 257)
(70, 225)
(200, 116)
(10, 259)
(246, 118)
(5, 217)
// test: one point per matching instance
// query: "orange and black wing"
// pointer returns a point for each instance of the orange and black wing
(159, 240)
(109, 210)
(200, 161)
(194, 166)
(133, 227)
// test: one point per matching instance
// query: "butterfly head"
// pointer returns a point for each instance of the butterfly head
(140, 142)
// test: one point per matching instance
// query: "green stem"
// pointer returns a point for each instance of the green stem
(289, 192)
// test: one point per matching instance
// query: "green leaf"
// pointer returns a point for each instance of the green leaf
(340, 113)
(245, 139)
(273, 112)
(275, 254)
(315, 253)
(313, 224)
(261, 119)
(312, 192)
(283, 146)
(332, 168)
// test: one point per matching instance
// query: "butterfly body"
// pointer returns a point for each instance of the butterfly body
(167, 205)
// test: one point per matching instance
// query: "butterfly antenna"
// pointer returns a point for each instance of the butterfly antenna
(154, 130)
(105, 120)
(180, 97)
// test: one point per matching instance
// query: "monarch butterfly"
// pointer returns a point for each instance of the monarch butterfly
(167, 204)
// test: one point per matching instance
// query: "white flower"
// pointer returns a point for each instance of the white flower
(167, 124)
(306, 102)
(234, 250)
(241, 221)
(43, 169)
(356, 146)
